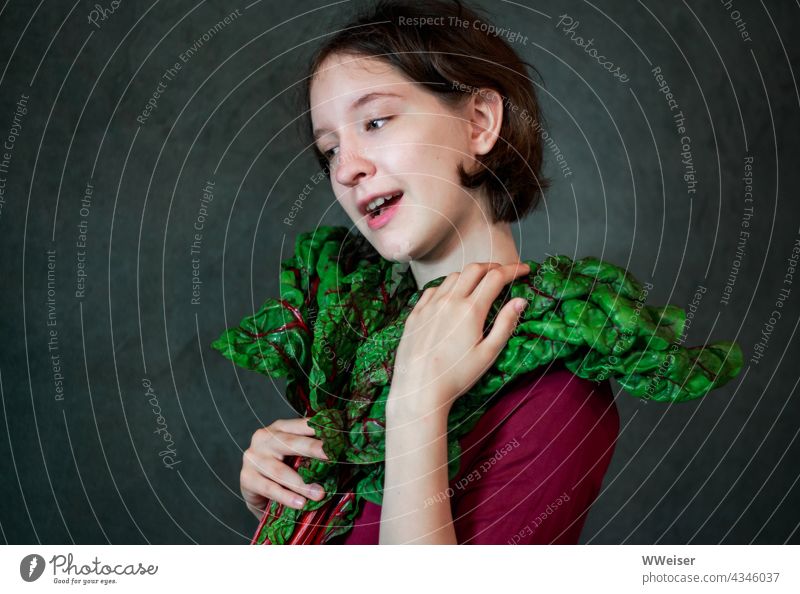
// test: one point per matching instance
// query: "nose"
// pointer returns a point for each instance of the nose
(353, 165)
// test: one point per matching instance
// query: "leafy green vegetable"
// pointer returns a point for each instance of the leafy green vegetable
(334, 331)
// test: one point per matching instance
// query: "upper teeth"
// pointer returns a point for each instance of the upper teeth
(380, 200)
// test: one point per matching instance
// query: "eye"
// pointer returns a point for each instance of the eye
(329, 153)
(369, 122)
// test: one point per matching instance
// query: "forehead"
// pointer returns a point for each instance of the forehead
(342, 79)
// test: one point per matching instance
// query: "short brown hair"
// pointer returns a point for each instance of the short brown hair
(452, 62)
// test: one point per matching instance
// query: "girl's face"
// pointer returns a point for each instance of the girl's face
(383, 134)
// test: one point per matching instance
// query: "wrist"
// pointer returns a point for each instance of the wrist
(405, 407)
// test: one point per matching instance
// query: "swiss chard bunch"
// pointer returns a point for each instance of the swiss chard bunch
(334, 332)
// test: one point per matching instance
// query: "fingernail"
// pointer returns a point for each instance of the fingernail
(299, 501)
(520, 305)
(317, 491)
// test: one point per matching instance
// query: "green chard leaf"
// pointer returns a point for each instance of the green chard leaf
(336, 327)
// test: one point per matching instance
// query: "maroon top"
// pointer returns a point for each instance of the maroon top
(530, 468)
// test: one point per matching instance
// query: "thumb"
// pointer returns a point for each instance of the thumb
(503, 327)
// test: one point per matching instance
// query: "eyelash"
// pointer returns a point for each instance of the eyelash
(327, 154)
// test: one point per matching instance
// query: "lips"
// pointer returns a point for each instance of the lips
(364, 202)
(384, 213)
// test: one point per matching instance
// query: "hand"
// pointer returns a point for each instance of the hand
(442, 352)
(263, 469)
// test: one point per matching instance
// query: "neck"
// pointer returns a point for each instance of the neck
(478, 243)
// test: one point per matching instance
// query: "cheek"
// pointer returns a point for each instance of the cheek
(427, 169)
(406, 157)
(420, 151)
(347, 205)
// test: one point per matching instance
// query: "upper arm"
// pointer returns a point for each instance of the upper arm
(536, 477)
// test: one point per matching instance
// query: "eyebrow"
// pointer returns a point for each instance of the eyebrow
(361, 101)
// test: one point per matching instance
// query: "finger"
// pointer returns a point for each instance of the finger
(504, 325)
(298, 426)
(255, 503)
(289, 478)
(427, 295)
(272, 490)
(289, 444)
(471, 275)
(450, 280)
(255, 510)
(493, 282)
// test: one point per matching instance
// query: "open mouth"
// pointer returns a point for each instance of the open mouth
(373, 214)
(380, 216)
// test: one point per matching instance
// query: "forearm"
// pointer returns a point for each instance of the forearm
(416, 473)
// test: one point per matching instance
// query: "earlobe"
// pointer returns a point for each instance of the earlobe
(486, 118)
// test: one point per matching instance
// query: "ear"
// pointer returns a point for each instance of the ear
(485, 113)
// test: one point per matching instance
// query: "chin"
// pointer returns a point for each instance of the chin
(395, 248)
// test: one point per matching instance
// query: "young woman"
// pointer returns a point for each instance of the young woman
(429, 127)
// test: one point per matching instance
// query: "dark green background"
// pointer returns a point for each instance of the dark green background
(87, 469)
